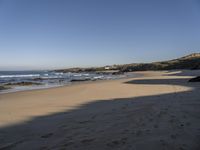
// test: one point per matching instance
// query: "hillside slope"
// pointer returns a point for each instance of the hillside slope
(191, 61)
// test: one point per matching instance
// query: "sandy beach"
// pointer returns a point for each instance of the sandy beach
(157, 111)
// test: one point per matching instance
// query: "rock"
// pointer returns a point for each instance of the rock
(23, 83)
(196, 79)
(80, 80)
(118, 73)
(3, 88)
(38, 79)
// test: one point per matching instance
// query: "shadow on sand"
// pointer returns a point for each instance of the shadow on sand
(160, 122)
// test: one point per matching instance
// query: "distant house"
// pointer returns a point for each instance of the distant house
(110, 67)
(107, 68)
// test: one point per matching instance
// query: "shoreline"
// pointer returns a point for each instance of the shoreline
(34, 88)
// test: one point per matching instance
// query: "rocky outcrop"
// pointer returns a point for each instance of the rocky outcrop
(3, 88)
(80, 80)
(196, 79)
(23, 83)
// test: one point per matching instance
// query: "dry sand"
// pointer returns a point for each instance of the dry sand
(158, 111)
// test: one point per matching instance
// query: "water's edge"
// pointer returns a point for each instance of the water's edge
(68, 83)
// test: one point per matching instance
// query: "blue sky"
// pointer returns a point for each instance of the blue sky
(49, 34)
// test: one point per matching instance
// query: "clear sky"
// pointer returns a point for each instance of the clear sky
(48, 34)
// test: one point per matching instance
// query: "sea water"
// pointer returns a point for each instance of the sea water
(46, 79)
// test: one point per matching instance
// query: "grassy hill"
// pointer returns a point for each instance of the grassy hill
(187, 62)
(191, 61)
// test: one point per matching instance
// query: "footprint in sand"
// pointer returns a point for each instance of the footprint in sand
(93, 117)
(123, 140)
(138, 133)
(181, 148)
(172, 116)
(87, 140)
(147, 131)
(166, 109)
(113, 143)
(44, 148)
(163, 143)
(47, 135)
(188, 123)
(184, 116)
(143, 124)
(124, 107)
(68, 144)
(117, 142)
(155, 126)
(150, 120)
(171, 120)
(125, 131)
(173, 136)
(83, 122)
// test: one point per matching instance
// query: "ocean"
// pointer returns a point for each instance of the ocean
(28, 80)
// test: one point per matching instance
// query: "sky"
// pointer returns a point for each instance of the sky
(52, 34)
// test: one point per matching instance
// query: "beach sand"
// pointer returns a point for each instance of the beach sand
(157, 111)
